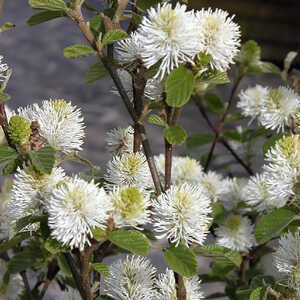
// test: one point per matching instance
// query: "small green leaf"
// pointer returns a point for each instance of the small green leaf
(7, 26)
(131, 240)
(270, 143)
(98, 234)
(54, 247)
(215, 77)
(175, 134)
(214, 104)
(7, 153)
(12, 166)
(157, 120)
(95, 72)
(4, 97)
(113, 36)
(97, 26)
(249, 53)
(143, 5)
(63, 265)
(234, 117)
(76, 51)
(51, 5)
(182, 260)
(44, 17)
(6, 245)
(233, 135)
(258, 294)
(218, 212)
(101, 268)
(179, 87)
(200, 139)
(262, 67)
(43, 160)
(272, 224)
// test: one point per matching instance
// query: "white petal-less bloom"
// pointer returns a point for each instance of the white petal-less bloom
(130, 206)
(166, 287)
(120, 140)
(29, 191)
(70, 294)
(181, 214)
(219, 36)
(252, 100)
(131, 279)
(287, 259)
(168, 35)
(237, 233)
(154, 89)
(3, 69)
(61, 123)
(128, 169)
(280, 108)
(76, 207)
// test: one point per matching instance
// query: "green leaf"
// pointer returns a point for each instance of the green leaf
(76, 51)
(6, 245)
(200, 139)
(113, 36)
(262, 280)
(249, 53)
(12, 166)
(157, 120)
(4, 97)
(143, 5)
(175, 134)
(218, 212)
(182, 260)
(272, 224)
(258, 294)
(214, 104)
(51, 5)
(98, 234)
(270, 143)
(7, 153)
(44, 17)
(63, 265)
(95, 72)
(43, 160)
(97, 26)
(54, 247)
(101, 268)
(215, 77)
(220, 253)
(234, 117)
(24, 260)
(233, 135)
(287, 63)
(130, 240)
(262, 67)
(179, 87)
(7, 26)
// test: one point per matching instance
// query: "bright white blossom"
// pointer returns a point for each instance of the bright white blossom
(120, 140)
(128, 169)
(237, 233)
(61, 123)
(182, 214)
(287, 259)
(168, 35)
(130, 206)
(219, 36)
(29, 191)
(166, 287)
(3, 70)
(131, 279)
(154, 89)
(75, 208)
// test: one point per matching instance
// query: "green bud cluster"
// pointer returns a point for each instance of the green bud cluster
(19, 130)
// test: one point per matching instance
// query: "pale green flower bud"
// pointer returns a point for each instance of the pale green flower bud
(19, 130)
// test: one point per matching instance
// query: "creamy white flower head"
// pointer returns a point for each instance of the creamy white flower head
(279, 109)
(166, 287)
(237, 233)
(154, 89)
(70, 294)
(29, 191)
(131, 279)
(257, 194)
(61, 123)
(15, 285)
(219, 35)
(130, 206)
(186, 170)
(3, 69)
(214, 185)
(128, 169)
(129, 50)
(287, 259)
(120, 140)
(168, 35)
(252, 100)
(76, 207)
(182, 214)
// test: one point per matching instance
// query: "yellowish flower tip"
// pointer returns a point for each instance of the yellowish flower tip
(275, 95)
(133, 164)
(289, 145)
(59, 104)
(234, 222)
(19, 130)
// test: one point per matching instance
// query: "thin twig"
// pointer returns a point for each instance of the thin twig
(221, 123)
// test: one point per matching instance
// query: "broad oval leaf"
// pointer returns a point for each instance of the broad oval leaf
(155, 119)
(130, 240)
(51, 5)
(76, 51)
(113, 36)
(7, 153)
(44, 17)
(95, 72)
(175, 134)
(101, 268)
(182, 260)
(43, 160)
(54, 246)
(199, 139)
(179, 87)
(272, 224)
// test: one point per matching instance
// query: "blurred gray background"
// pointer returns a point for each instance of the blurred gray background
(40, 71)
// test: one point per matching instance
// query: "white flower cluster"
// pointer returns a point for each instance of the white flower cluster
(172, 36)
(274, 109)
(3, 70)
